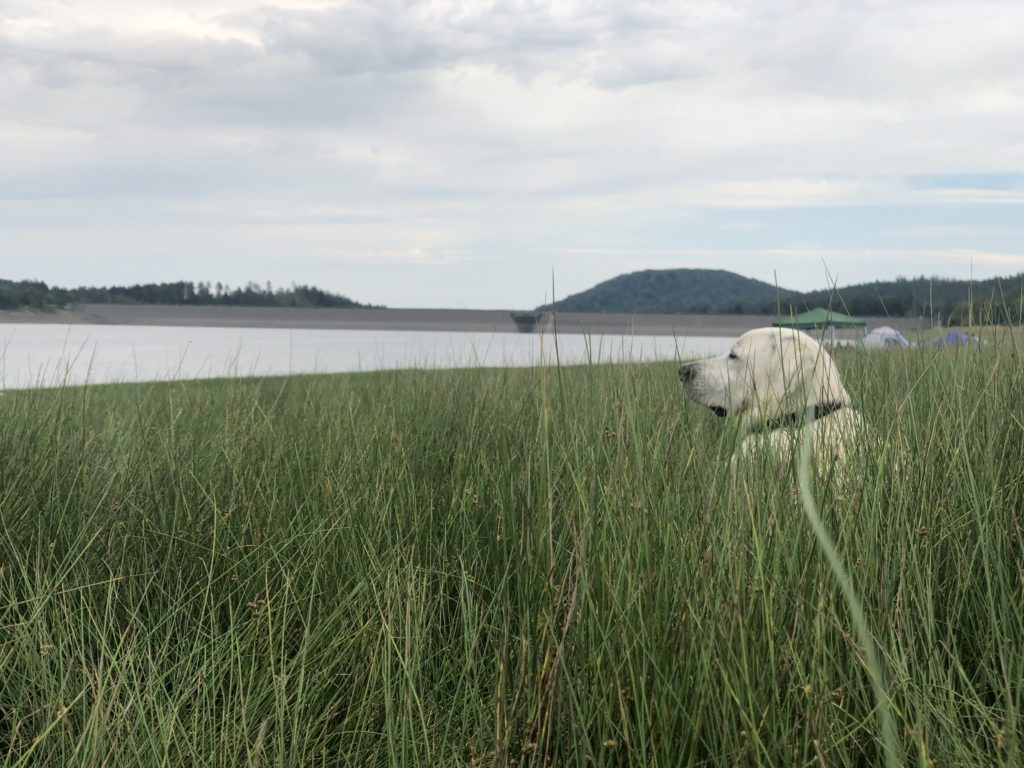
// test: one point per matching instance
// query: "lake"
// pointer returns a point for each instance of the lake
(34, 355)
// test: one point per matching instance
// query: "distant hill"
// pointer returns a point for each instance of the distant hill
(717, 291)
(677, 291)
(953, 302)
(35, 294)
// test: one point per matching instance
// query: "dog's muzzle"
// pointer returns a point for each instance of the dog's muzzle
(687, 373)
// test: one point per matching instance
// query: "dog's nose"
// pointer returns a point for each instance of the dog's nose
(686, 371)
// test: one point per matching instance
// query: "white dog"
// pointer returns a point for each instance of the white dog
(778, 383)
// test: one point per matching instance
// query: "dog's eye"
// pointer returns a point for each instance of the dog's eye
(733, 356)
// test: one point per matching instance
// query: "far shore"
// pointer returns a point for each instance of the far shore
(458, 320)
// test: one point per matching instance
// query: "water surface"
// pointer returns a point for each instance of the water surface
(53, 355)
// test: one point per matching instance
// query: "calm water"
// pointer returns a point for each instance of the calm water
(52, 355)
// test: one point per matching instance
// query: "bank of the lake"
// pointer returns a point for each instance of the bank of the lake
(464, 320)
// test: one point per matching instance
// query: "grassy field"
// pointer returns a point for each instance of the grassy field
(504, 567)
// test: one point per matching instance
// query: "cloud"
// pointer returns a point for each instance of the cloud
(378, 257)
(494, 132)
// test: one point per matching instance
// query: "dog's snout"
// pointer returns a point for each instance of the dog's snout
(686, 372)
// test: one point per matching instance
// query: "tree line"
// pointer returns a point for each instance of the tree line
(704, 291)
(36, 294)
(952, 302)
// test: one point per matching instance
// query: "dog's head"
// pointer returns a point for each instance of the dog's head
(768, 375)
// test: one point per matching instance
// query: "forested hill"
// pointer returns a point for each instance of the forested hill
(716, 291)
(952, 301)
(677, 291)
(668, 291)
(34, 294)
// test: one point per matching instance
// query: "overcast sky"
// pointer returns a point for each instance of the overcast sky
(466, 154)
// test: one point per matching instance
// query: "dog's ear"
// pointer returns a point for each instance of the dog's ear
(806, 374)
(788, 375)
(827, 387)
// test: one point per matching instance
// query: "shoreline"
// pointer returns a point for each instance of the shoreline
(457, 320)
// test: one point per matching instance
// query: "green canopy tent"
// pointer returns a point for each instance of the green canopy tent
(823, 319)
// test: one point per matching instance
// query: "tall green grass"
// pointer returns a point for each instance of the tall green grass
(505, 567)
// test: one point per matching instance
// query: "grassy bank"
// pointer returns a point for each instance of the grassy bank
(532, 567)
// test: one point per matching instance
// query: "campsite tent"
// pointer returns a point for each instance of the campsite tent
(884, 336)
(824, 321)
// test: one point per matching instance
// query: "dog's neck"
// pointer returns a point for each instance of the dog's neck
(789, 420)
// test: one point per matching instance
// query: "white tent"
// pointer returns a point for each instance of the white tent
(884, 336)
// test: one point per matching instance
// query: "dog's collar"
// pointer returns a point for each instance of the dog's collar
(819, 411)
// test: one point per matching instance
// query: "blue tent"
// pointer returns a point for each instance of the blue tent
(956, 339)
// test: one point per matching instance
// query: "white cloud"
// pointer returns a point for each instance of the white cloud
(492, 133)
